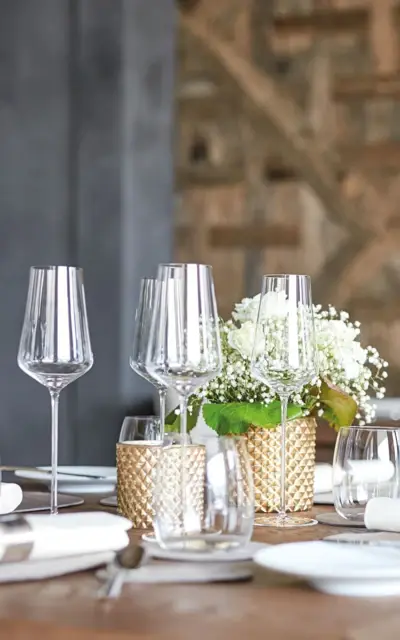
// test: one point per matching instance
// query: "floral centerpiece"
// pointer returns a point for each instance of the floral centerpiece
(349, 376)
(236, 403)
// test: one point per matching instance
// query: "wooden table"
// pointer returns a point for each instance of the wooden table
(267, 608)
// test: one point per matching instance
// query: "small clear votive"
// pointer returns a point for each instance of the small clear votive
(365, 466)
(137, 455)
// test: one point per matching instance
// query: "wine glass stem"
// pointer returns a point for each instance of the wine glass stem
(55, 396)
(183, 411)
(162, 393)
(282, 506)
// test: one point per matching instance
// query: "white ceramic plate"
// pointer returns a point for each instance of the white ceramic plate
(323, 498)
(234, 555)
(74, 484)
(340, 569)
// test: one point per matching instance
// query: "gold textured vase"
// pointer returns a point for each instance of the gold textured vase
(264, 447)
(136, 465)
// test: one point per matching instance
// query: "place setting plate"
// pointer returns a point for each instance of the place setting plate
(334, 568)
(88, 479)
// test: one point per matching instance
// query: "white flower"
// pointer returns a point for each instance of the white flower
(242, 339)
(274, 304)
(247, 309)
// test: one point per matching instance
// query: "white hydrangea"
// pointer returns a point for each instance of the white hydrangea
(358, 371)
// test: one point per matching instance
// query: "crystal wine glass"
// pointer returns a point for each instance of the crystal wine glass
(184, 350)
(285, 359)
(55, 345)
(140, 342)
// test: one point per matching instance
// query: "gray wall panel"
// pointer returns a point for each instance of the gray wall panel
(86, 92)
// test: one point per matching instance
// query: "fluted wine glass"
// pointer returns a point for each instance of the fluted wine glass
(141, 334)
(55, 345)
(184, 350)
(285, 359)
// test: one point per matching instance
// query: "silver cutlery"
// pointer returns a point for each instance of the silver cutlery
(129, 558)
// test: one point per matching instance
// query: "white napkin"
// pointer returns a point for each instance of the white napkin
(74, 534)
(383, 514)
(45, 569)
(369, 470)
(10, 497)
(323, 478)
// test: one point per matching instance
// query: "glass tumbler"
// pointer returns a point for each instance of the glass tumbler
(137, 454)
(204, 496)
(365, 466)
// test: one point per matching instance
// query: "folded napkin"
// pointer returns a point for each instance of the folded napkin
(383, 514)
(42, 537)
(10, 497)
(323, 478)
(369, 470)
(55, 567)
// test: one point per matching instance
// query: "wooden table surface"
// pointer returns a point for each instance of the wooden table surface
(267, 608)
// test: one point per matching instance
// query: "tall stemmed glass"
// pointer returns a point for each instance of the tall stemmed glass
(148, 287)
(285, 359)
(55, 345)
(184, 350)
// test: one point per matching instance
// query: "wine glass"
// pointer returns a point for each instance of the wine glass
(55, 345)
(215, 511)
(366, 465)
(184, 350)
(285, 359)
(137, 360)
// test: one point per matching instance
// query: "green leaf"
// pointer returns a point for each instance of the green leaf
(173, 420)
(339, 408)
(237, 417)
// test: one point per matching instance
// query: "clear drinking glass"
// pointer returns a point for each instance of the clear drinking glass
(55, 345)
(285, 359)
(184, 350)
(365, 465)
(141, 429)
(141, 338)
(214, 507)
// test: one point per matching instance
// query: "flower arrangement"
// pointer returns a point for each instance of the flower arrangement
(349, 375)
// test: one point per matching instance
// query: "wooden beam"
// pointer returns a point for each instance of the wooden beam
(327, 20)
(360, 87)
(372, 156)
(383, 36)
(243, 237)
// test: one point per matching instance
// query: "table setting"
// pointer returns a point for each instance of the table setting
(223, 487)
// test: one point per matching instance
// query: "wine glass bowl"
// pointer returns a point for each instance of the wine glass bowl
(137, 360)
(55, 346)
(184, 350)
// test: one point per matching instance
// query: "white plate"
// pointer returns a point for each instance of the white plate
(340, 569)
(234, 555)
(323, 498)
(75, 484)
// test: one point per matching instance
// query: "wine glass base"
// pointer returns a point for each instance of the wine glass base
(283, 521)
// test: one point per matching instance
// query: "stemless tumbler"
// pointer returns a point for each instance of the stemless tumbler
(365, 466)
(214, 509)
(137, 454)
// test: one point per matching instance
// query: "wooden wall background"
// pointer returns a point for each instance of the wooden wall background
(288, 151)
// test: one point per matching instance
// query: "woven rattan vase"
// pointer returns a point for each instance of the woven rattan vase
(265, 455)
(135, 479)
